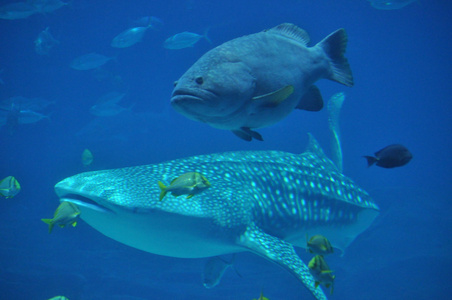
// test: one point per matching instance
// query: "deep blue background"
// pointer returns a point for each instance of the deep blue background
(401, 62)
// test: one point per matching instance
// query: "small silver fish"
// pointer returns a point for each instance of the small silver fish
(87, 157)
(9, 187)
(108, 109)
(30, 116)
(129, 37)
(45, 42)
(17, 10)
(89, 61)
(214, 270)
(183, 40)
(390, 4)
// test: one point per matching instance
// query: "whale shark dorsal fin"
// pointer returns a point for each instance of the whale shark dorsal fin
(281, 253)
(314, 148)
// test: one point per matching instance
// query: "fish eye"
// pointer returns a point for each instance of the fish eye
(175, 83)
(199, 80)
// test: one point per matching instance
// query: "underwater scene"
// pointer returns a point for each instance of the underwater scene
(236, 150)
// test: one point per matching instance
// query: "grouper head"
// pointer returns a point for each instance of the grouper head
(211, 90)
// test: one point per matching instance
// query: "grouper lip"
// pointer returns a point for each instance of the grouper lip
(82, 199)
(195, 95)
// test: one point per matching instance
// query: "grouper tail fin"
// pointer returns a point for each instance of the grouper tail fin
(334, 46)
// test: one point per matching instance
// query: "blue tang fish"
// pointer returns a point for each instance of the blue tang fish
(265, 202)
(256, 80)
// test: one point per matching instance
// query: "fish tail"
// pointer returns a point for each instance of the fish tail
(370, 160)
(334, 46)
(163, 190)
(206, 36)
(48, 222)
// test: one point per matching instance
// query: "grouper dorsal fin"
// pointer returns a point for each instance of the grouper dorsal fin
(274, 98)
(281, 253)
(315, 149)
(293, 32)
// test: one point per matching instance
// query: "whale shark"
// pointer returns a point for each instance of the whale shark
(265, 202)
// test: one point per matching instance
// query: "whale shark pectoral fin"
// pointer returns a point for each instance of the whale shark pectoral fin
(281, 253)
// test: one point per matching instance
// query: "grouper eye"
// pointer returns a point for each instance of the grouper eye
(199, 80)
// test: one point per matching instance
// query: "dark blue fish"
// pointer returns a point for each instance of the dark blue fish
(390, 157)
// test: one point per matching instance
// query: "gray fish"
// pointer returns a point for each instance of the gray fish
(89, 61)
(47, 6)
(45, 42)
(108, 109)
(183, 40)
(29, 117)
(17, 10)
(264, 202)
(214, 270)
(129, 37)
(390, 4)
(257, 80)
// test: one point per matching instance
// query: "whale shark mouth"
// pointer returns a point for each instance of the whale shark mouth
(82, 200)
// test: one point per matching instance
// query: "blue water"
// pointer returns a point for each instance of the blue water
(401, 62)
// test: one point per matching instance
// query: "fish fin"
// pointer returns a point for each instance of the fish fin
(314, 148)
(334, 47)
(312, 100)
(274, 98)
(61, 225)
(163, 190)
(189, 196)
(317, 284)
(326, 271)
(245, 133)
(370, 160)
(74, 224)
(293, 32)
(205, 36)
(48, 222)
(281, 253)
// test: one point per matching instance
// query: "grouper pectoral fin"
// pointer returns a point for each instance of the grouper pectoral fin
(312, 100)
(274, 98)
(281, 253)
(245, 133)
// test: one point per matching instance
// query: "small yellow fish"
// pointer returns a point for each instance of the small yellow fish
(59, 298)
(9, 187)
(261, 297)
(318, 244)
(190, 184)
(321, 272)
(66, 213)
(87, 157)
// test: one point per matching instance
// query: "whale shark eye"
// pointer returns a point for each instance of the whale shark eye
(199, 80)
(175, 83)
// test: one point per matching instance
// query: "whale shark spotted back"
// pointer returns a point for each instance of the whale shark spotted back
(259, 201)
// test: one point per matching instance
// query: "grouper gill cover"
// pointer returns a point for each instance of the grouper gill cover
(259, 201)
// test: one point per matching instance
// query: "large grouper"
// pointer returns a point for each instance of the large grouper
(256, 80)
